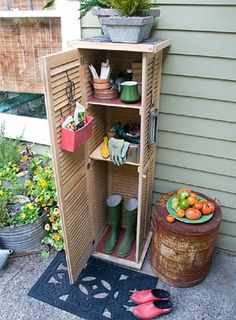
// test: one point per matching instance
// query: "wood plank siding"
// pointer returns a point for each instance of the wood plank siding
(197, 126)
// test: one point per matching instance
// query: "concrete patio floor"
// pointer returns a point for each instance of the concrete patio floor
(213, 299)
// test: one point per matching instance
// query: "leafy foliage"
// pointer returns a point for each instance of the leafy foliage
(55, 236)
(130, 7)
(40, 193)
(125, 7)
(3, 211)
(10, 149)
(87, 5)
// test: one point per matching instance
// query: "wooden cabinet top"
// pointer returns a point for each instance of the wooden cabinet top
(102, 43)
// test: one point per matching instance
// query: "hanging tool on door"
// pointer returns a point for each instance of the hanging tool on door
(78, 119)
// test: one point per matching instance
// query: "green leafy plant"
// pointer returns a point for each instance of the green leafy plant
(10, 149)
(41, 194)
(3, 209)
(130, 7)
(27, 213)
(85, 5)
(125, 7)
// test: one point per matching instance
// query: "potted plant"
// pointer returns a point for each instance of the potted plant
(134, 23)
(26, 202)
(128, 21)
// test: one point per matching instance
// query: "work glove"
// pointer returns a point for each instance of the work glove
(118, 150)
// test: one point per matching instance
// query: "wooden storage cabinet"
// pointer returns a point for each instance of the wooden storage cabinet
(83, 178)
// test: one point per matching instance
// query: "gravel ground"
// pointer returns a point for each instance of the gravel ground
(213, 299)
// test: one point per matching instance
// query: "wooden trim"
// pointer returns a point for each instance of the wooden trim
(100, 44)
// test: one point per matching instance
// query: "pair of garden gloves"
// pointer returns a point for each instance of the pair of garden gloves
(118, 149)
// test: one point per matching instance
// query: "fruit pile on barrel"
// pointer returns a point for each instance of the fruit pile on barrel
(188, 204)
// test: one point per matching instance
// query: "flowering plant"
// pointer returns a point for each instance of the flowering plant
(27, 213)
(39, 190)
(55, 236)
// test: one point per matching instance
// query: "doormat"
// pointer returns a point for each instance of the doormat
(102, 290)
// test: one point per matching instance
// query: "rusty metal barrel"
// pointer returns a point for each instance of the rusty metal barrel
(182, 252)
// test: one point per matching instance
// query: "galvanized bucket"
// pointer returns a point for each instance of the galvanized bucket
(24, 238)
(4, 255)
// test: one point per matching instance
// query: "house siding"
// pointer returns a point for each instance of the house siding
(197, 125)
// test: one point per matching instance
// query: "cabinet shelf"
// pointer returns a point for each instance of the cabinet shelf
(113, 103)
(96, 155)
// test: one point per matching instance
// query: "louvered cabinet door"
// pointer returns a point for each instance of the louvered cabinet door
(70, 168)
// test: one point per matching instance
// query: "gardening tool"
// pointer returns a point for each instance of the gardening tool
(104, 148)
(114, 213)
(133, 137)
(70, 93)
(118, 150)
(4, 255)
(130, 227)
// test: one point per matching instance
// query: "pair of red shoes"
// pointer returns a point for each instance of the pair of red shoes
(152, 303)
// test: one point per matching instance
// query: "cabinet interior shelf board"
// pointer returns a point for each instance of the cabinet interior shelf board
(113, 103)
(96, 155)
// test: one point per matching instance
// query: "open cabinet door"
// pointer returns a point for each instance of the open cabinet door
(70, 168)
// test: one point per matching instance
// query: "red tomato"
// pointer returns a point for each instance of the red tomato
(193, 214)
(193, 194)
(198, 205)
(208, 207)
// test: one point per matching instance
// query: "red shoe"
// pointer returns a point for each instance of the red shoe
(152, 309)
(150, 295)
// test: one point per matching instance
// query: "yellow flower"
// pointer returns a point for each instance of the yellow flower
(30, 206)
(37, 199)
(8, 169)
(43, 183)
(18, 149)
(43, 204)
(47, 227)
(24, 158)
(57, 237)
(23, 216)
(51, 219)
(1, 192)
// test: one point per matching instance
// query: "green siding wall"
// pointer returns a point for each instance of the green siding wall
(197, 126)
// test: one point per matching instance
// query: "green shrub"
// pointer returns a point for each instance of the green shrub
(10, 149)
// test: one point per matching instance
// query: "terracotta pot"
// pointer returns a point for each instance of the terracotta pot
(106, 94)
(100, 84)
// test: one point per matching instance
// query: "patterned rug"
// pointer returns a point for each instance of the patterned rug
(101, 291)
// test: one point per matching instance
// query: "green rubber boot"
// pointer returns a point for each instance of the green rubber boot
(114, 213)
(130, 227)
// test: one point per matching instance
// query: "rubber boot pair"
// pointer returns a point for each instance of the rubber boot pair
(114, 213)
(152, 303)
